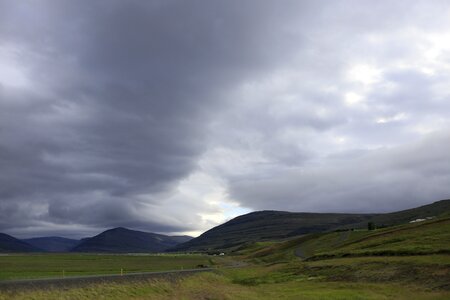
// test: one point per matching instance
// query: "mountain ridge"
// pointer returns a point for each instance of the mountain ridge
(52, 243)
(250, 227)
(273, 225)
(113, 240)
(9, 243)
(122, 240)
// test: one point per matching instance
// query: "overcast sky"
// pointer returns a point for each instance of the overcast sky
(174, 116)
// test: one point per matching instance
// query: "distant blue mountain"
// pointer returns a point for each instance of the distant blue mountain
(11, 244)
(123, 240)
(53, 243)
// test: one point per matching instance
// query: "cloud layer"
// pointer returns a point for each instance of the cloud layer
(171, 116)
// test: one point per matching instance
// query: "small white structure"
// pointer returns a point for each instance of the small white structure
(222, 254)
(421, 220)
(417, 220)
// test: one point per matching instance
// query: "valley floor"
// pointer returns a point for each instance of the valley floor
(246, 283)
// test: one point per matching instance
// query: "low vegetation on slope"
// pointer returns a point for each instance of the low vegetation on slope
(267, 225)
(416, 254)
(428, 237)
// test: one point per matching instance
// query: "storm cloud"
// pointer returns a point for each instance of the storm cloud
(173, 116)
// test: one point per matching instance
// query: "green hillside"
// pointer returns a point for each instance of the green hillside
(405, 216)
(278, 225)
(422, 238)
(432, 237)
(415, 254)
(268, 225)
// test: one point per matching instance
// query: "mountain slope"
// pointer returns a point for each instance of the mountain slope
(181, 238)
(52, 243)
(268, 225)
(404, 216)
(273, 225)
(411, 254)
(430, 237)
(122, 240)
(11, 244)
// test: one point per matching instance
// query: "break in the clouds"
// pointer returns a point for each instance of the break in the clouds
(173, 116)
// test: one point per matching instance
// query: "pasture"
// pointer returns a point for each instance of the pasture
(29, 266)
(246, 284)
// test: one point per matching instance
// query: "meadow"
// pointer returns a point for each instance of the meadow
(28, 266)
(247, 283)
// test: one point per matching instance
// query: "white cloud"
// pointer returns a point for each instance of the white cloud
(352, 98)
(365, 74)
(12, 71)
(395, 118)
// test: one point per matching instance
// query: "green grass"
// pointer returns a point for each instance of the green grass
(432, 237)
(234, 284)
(406, 255)
(17, 266)
(431, 272)
(252, 247)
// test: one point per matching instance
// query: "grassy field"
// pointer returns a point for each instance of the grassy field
(248, 283)
(24, 266)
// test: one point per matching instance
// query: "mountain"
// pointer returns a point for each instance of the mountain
(276, 225)
(11, 244)
(267, 225)
(52, 243)
(181, 238)
(122, 240)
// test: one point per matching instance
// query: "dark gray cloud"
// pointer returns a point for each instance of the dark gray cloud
(112, 103)
(171, 116)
